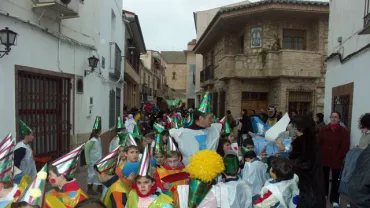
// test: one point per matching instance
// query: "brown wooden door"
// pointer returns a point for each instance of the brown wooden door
(255, 105)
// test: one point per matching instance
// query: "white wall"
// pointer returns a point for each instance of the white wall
(346, 20)
(38, 49)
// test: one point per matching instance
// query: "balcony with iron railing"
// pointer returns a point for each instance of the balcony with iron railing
(271, 64)
(207, 75)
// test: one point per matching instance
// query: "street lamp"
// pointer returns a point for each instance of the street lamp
(7, 38)
(93, 63)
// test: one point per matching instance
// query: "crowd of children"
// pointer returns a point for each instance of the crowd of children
(156, 170)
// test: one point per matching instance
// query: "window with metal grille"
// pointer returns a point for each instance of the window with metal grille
(300, 100)
(79, 85)
(118, 102)
(112, 108)
(294, 39)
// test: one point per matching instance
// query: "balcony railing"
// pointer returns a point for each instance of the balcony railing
(207, 73)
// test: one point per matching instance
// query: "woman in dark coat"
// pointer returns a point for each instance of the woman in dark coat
(306, 156)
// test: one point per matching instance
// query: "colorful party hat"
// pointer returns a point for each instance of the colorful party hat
(215, 120)
(191, 119)
(204, 166)
(227, 130)
(35, 193)
(119, 124)
(97, 123)
(205, 106)
(169, 119)
(7, 146)
(158, 128)
(137, 132)
(67, 164)
(126, 139)
(231, 163)
(144, 167)
(171, 145)
(175, 122)
(108, 163)
(159, 145)
(244, 150)
(223, 119)
(25, 130)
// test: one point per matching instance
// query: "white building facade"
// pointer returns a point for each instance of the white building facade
(347, 77)
(46, 78)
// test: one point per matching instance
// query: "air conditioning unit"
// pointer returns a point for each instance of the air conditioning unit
(66, 8)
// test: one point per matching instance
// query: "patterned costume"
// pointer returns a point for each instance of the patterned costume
(116, 194)
(70, 194)
(7, 146)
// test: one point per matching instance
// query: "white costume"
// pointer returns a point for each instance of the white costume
(130, 123)
(191, 141)
(283, 194)
(95, 155)
(114, 143)
(254, 173)
(238, 192)
(28, 165)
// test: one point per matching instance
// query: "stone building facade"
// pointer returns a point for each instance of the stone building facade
(176, 73)
(261, 54)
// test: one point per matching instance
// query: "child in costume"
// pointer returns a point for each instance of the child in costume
(93, 153)
(34, 195)
(61, 177)
(144, 193)
(203, 168)
(90, 203)
(126, 140)
(23, 154)
(254, 172)
(201, 135)
(171, 175)
(120, 127)
(9, 191)
(238, 192)
(130, 166)
(20, 177)
(282, 190)
(117, 190)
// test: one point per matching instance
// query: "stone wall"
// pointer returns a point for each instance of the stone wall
(181, 76)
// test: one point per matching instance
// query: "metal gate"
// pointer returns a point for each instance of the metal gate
(44, 104)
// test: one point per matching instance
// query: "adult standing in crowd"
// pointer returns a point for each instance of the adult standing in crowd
(364, 125)
(306, 157)
(319, 119)
(246, 126)
(334, 140)
(230, 120)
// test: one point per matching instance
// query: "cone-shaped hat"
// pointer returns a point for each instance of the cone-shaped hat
(158, 128)
(171, 145)
(227, 130)
(67, 164)
(97, 123)
(223, 119)
(119, 124)
(231, 163)
(205, 106)
(204, 166)
(7, 146)
(159, 145)
(175, 122)
(144, 167)
(245, 150)
(35, 193)
(126, 139)
(137, 132)
(108, 163)
(25, 130)
(191, 119)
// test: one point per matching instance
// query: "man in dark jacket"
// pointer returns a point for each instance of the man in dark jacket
(359, 183)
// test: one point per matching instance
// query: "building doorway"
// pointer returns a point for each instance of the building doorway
(43, 101)
(253, 102)
(300, 100)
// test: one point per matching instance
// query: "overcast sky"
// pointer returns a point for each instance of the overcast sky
(168, 25)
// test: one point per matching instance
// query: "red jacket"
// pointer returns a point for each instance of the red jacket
(334, 146)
